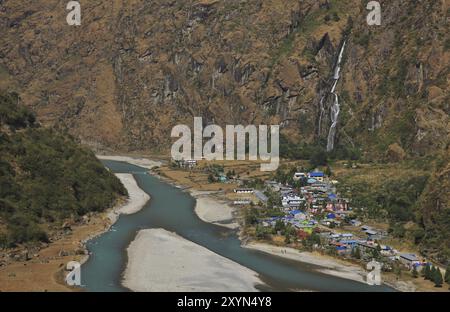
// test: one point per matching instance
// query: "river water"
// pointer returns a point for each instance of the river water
(173, 209)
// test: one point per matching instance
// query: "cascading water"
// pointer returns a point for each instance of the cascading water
(335, 108)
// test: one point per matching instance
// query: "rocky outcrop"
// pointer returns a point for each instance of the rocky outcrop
(395, 153)
(133, 69)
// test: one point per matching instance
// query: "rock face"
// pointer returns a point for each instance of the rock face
(395, 153)
(133, 69)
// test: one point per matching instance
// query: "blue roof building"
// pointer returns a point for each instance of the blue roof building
(349, 242)
(332, 196)
(316, 174)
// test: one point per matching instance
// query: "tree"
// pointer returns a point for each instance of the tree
(279, 226)
(287, 238)
(260, 232)
(431, 273)
(251, 217)
(376, 254)
(398, 272)
(328, 171)
(318, 158)
(427, 272)
(437, 278)
(447, 275)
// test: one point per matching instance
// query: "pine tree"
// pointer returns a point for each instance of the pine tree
(432, 273)
(328, 171)
(437, 278)
(447, 275)
(427, 272)
(424, 271)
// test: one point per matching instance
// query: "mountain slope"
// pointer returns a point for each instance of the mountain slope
(136, 68)
(46, 178)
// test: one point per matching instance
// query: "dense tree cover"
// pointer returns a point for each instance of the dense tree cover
(45, 177)
(316, 152)
(434, 274)
(447, 275)
(434, 212)
(413, 205)
(13, 115)
(394, 200)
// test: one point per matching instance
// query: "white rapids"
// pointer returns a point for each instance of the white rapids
(335, 108)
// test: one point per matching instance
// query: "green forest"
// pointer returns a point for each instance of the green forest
(45, 177)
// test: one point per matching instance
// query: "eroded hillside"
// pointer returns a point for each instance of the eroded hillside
(133, 69)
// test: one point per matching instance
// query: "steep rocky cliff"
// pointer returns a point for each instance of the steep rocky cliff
(133, 69)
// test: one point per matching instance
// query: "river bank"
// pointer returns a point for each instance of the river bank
(137, 198)
(334, 266)
(330, 265)
(163, 261)
(137, 161)
(43, 271)
(178, 264)
(212, 209)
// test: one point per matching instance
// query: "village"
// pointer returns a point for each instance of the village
(307, 210)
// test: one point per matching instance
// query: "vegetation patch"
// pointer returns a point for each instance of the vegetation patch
(45, 177)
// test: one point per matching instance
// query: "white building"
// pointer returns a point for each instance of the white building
(291, 200)
(299, 175)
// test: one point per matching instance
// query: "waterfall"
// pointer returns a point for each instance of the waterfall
(335, 108)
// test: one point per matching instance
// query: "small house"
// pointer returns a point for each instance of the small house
(298, 215)
(317, 175)
(242, 202)
(355, 222)
(349, 242)
(332, 197)
(243, 191)
(409, 260)
(298, 176)
(261, 197)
